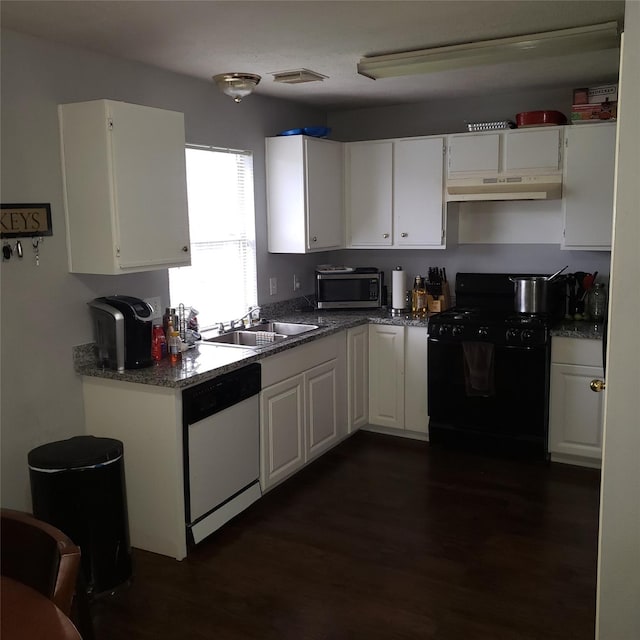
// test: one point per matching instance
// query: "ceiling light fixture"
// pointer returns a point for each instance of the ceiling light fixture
(515, 49)
(237, 85)
(297, 76)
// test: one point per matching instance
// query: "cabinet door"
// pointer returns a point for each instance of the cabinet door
(588, 183)
(148, 152)
(386, 376)
(124, 187)
(282, 445)
(369, 194)
(532, 149)
(322, 408)
(358, 377)
(474, 153)
(415, 380)
(418, 187)
(325, 220)
(575, 412)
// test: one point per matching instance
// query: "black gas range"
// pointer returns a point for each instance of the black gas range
(488, 369)
(504, 328)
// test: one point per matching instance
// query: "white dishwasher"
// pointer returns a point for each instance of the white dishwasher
(221, 426)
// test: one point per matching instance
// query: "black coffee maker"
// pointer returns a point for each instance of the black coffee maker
(122, 331)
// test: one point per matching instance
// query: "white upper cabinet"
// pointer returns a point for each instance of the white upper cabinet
(369, 196)
(474, 153)
(532, 151)
(394, 193)
(418, 183)
(588, 177)
(124, 187)
(304, 194)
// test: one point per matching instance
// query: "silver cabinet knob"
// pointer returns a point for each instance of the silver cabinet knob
(404, 235)
(385, 235)
(185, 249)
(315, 239)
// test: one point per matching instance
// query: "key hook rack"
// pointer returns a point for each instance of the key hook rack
(24, 221)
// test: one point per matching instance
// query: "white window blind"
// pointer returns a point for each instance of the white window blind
(221, 281)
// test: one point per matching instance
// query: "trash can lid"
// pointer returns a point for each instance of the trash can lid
(76, 452)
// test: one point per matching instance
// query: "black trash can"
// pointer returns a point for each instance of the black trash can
(78, 485)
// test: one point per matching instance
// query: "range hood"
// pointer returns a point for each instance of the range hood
(505, 187)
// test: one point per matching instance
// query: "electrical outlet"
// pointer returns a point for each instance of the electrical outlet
(156, 305)
(273, 286)
(296, 283)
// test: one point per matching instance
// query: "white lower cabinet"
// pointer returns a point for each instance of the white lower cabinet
(415, 380)
(322, 406)
(148, 421)
(386, 376)
(282, 430)
(575, 412)
(357, 377)
(398, 378)
(303, 406)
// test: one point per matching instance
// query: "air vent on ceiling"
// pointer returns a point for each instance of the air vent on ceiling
(297, 76)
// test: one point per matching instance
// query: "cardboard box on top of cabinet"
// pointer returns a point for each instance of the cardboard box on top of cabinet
(594, 112)
(603, 93)
(595, 95)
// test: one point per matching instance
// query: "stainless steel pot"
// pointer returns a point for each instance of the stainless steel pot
(531, 294)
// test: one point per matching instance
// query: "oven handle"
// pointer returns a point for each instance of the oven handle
(497, 346)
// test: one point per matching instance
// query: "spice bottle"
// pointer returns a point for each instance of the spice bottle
(170, 317)
(158, 343)
(175, 348)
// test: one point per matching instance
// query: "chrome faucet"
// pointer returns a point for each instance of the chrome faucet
(247, 316)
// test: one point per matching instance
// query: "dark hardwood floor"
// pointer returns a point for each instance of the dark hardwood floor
(383, 538)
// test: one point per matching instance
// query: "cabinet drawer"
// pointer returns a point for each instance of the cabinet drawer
(580, 351)
(306, 356)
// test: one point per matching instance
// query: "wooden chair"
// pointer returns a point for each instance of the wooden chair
(39, 555)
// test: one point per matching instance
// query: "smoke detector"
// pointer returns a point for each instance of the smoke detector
(297, 76)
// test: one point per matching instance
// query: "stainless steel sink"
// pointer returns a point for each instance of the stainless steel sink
(285, 328)
(245, 339)
(260, 335)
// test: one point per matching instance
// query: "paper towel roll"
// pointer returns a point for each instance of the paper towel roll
(398, 288)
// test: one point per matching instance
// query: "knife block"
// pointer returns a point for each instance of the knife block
(436, 304)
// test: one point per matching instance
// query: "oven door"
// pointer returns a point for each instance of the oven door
(512, 417)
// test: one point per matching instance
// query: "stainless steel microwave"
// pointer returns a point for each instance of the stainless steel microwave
(357, 289)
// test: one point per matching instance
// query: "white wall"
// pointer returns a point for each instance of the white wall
(44, 309)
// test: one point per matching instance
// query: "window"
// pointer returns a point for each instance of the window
(221, 281)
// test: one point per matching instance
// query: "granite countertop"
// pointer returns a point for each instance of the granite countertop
(581, 329)
(206, 360)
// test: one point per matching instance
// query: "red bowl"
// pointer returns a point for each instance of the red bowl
(540, 118)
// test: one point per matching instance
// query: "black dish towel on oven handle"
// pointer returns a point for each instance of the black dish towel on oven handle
(479, 376)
